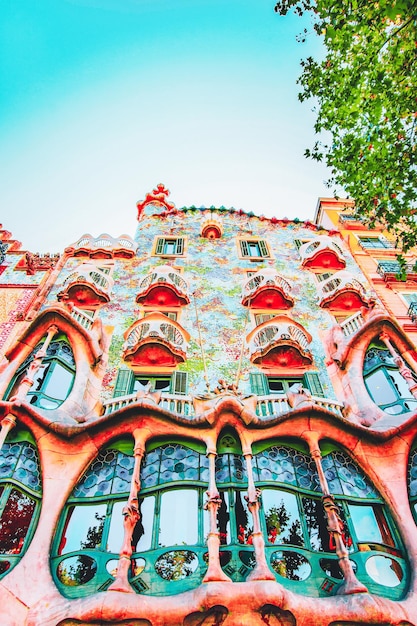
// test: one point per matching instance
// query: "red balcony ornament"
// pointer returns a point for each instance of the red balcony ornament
(343, 292)
(157, 196)
(267, 290)
(155, 341)
(322, 253)
(86, 287)
(280, 342)
(163, 287)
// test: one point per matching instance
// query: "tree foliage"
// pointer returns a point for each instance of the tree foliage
(366, 90)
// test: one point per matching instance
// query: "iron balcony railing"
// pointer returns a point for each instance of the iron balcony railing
(92, 276)
(163, 274)
(265, 278)
(393, 268)
(318, 245)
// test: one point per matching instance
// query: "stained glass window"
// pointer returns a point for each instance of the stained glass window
(20, 491)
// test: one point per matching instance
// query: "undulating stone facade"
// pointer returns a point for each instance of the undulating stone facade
(210, 423)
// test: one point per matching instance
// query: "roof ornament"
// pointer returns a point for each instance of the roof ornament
(157, 196)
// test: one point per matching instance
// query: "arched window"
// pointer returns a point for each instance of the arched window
(386, 386)
(168, 541)
(412, 480)
(54, 379)
(20, 496)
(298, 544)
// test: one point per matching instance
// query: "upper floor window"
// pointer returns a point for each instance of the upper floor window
(375, 242)
(128, 382)
(254, 248)
(263, 385)
(170, 246)
(20, 496)
(386, 386)
(54, 379)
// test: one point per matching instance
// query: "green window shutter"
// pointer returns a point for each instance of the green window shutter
(124, 383)
(244, 247)
(259, 384)
(180, 245)
(160, 246)
(179, 383)
(312, 382)
(263, 248)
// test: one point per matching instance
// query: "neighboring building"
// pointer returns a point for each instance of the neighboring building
(24, 280)
(213, 422)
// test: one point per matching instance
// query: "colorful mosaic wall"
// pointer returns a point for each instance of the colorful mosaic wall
(215, 275)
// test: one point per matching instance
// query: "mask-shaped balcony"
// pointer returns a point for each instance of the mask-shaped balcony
(155, 340)
(86, 287)
(322, 253)
(267, 290)
(343, 292)
(163, 287)
(280, 342)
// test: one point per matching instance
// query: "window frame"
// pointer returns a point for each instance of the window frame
(44, 375)
(10, 483)
(244, 251)
(160, 244)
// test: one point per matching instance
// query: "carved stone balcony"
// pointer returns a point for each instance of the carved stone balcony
(163, 287)
(280, 342)
(267, 289)
(155, 340)
(104, 247)
(343, 292)
(322, 253)
(86, 287)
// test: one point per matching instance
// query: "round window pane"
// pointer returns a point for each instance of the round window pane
(111, 567)
(176, 564)
(76, 570)
(291, 565)
(384, 570)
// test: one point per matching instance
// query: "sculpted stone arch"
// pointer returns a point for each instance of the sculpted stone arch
(88, 346)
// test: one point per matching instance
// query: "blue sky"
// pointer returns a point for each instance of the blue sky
(100, 100)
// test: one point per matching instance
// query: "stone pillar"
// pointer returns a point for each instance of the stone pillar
(334, 524)
(214, 571)
(35, 366)
(405, 371)
(7, 423)
(261, 570)
(131, 516)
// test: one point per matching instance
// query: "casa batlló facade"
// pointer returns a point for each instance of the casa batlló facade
(210, 423)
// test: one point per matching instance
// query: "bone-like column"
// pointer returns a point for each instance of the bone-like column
(405, 371)
(261, 570)
(334, 523)
(131, 516)
(35, 366)
(214, 571)
(7, 423)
